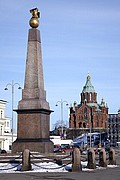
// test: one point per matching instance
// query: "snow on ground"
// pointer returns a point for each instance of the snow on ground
(37, 167)
(43, 167)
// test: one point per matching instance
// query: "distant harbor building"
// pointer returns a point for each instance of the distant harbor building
(114, 128)
(88, 115)
(5, 130)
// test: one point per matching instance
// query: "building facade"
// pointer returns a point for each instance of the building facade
(88, 116)
(114, 128)
(5, 130)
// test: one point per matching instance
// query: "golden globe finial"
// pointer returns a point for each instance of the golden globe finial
(34, 22)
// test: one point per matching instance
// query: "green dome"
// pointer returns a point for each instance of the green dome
(88, 86)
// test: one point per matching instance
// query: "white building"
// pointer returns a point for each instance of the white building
(5, 130)
(58, 141)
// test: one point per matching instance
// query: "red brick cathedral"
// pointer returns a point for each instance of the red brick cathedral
(88, 112)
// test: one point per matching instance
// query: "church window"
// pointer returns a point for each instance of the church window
(80, 125)
(85, 113)
(84, 125)
(85, 110)
(90, 97)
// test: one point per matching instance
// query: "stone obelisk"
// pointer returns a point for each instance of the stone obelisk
(33, 110)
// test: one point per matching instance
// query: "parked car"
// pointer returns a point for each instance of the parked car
(57, 148)
(66, 148)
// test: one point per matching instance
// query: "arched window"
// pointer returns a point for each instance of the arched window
(90, 96)
(85, 113)
(80, 125)
(84, 125)
(85, 110)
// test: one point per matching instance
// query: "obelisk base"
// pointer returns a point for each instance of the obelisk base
(33, 131)
(34, 145)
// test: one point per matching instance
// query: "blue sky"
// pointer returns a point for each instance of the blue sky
(77, 36)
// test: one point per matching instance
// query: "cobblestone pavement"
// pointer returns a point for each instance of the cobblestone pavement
(104, 174)
(99, 174)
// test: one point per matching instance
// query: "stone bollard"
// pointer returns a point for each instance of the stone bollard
(91, 159)
(26, 164)
(112, 160)
(102, 158)
(76, 161)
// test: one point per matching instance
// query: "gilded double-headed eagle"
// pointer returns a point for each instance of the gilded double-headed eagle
(34, 22)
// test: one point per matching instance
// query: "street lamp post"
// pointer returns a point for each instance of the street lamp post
(100, 139)
(90, 132)
(6, 88)
(61, 103)
(90, 128)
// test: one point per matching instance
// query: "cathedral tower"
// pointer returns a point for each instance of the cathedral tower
(89, 114)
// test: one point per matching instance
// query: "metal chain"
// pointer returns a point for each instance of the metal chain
(10, 167)
(19, 156)
(52, 168)
(38, 157)
(48, 157)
